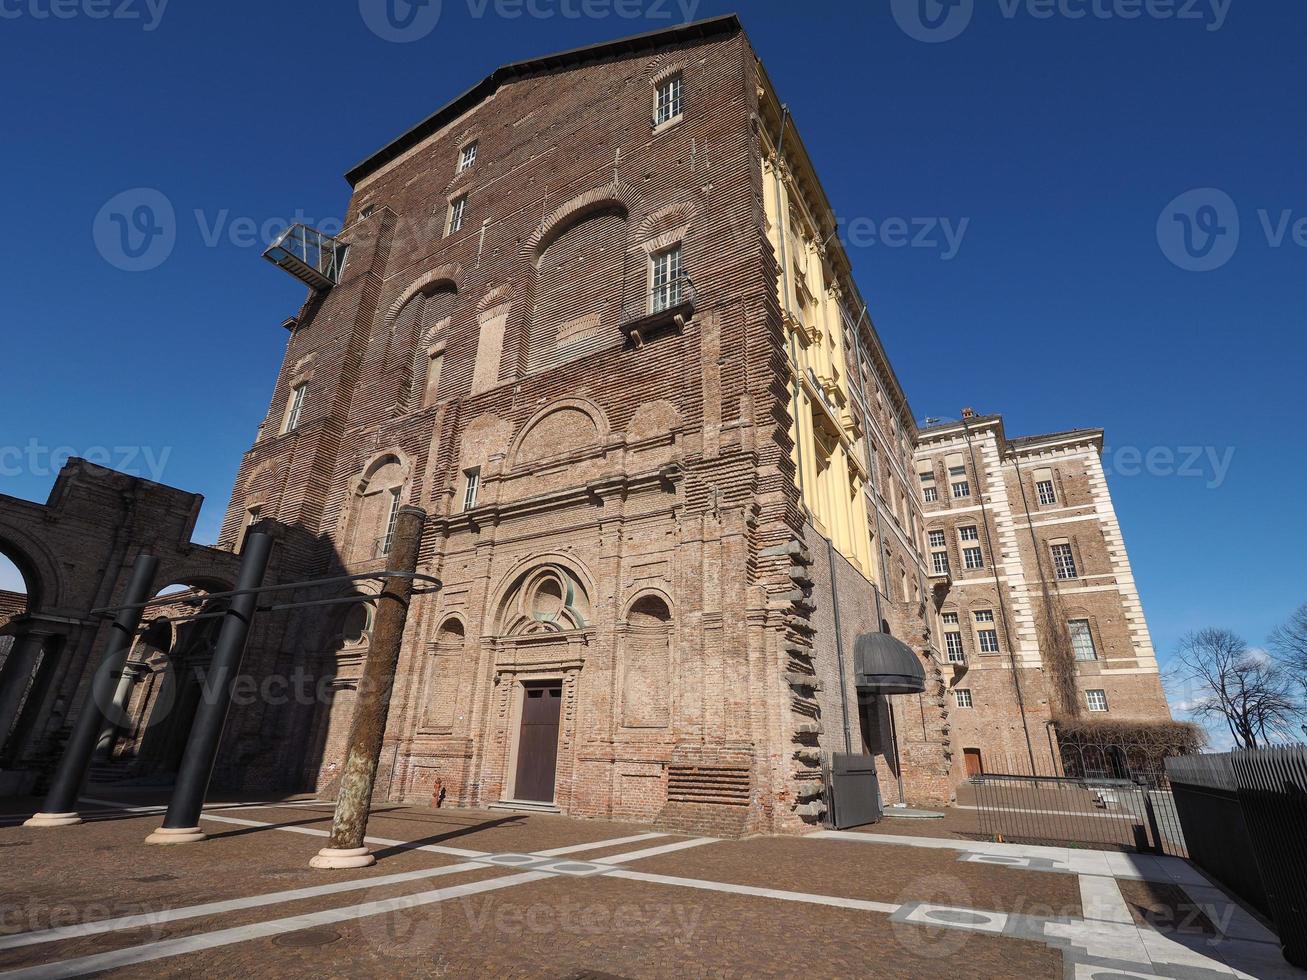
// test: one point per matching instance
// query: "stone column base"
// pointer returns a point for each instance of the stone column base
(176, 835)
(332, 858)
(52, 820)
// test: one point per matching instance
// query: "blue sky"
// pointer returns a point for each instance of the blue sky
(1051, 149)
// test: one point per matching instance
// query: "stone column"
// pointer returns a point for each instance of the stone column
(346, 849)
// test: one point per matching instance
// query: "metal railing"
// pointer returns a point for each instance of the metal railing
(1137, 814)
(308, 255)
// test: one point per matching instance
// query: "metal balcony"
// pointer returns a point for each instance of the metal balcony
(310, 256)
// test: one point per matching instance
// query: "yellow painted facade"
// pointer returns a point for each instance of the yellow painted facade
(828, 452)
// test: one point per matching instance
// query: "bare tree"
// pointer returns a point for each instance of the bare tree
(1252, 693)
(1289, 642)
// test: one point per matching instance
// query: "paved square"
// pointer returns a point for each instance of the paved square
(465, 893)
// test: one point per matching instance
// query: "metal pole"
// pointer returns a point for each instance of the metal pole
(346, 849)
(60, 808)
(181, 824)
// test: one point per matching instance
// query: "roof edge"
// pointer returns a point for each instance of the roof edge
(725, 25)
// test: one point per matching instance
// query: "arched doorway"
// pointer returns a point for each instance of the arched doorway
(21, 653)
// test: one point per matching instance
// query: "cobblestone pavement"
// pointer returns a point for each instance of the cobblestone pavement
(467, 893)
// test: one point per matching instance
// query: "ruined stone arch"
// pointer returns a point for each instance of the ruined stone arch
(563, 427)
(40, 570)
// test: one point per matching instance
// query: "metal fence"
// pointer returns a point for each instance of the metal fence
(1273, 793)
(1096, 811)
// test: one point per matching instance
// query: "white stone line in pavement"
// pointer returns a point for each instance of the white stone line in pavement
(163, 949)
(1101, 899)
(776, 893)
(679, 845)
(148, 919)
(577, 848)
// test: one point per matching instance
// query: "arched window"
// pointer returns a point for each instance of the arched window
(578, 292)
(376, 507)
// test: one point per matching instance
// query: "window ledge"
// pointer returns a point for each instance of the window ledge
(662, 127)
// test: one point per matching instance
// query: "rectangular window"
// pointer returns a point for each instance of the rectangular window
(670, 100)
(295, 409)
(962, 696)
(961, 489)
(988, 640)
(953, 647)
(457, 210)
(969, 533)
(1046, 493)
(667, 279)
(984, 615)
(929, 494)
(939, 562)
(1097, 700)
(973, 558)
(1064, 562)
(936, 539)
(949, 618)
(391, 517)
(1082, 640)
(467, 156)
(473, 486)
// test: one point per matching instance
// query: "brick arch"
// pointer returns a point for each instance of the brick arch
(449, 275)
(617, 196)
(650, 592)
(571, 406)
(511, 601)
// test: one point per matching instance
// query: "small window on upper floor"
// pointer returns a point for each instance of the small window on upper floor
(1047, 495)
(1097, 700)
(294, 409)
(671, 102)
(962, 697)
(1082, 639)
(467, 156)
(667, 279)
(1064, 560)
(929, 494)
(392, 517)
(457, 211)
(471, 488)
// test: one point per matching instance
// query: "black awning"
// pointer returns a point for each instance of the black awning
(884, 665)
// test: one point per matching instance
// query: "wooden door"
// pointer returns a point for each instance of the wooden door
(975, 767)
(537, 745)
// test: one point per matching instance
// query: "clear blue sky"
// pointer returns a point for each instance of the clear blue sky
(1060, 141)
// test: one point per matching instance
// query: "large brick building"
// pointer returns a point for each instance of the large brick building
(593, 316)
